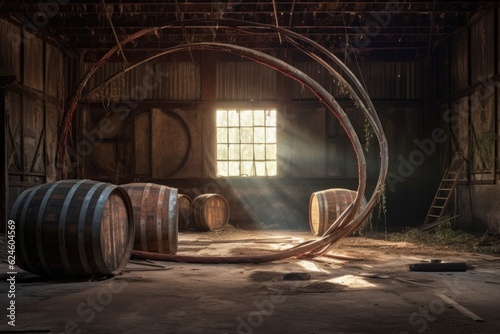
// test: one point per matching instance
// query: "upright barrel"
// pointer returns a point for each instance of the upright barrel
(209, 212)
(183, 205)
(327, 205)
(73, 228)
(155, 215)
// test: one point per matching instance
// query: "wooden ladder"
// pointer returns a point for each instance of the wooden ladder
(444, 193)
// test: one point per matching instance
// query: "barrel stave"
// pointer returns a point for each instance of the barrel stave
(155, 213)
(59, 225)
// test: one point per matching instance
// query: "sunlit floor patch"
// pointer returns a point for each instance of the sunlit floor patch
(311, 266)
(352, 281)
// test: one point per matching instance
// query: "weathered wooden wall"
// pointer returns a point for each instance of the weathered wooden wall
(157, 123)
(469, 95)
(162, 128)
(32, 106)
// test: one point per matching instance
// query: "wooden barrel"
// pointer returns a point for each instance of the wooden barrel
(327, 205)
(183, 205)
(209, 212)
(155, 215)
(73, 228)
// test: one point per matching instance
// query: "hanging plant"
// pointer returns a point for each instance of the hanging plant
(368, 134)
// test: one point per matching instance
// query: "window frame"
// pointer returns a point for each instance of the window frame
(265, 160)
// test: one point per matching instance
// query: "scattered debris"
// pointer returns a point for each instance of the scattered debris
(489, 239)
(412, 282)
(296, 276)
(342, 257)
(146, 263)
(446, 237)
(459, 307)
(394, 278)
(447, 266)
(277, 240)
(312, 287)
(264, 276)
(319, 287)
(431, 226)
(366, 275)
(492, 282)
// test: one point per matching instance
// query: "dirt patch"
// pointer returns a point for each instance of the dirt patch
(313, 287)
(189, 249)
(249, 251)
(227, 232)
(320, 287)
(265, 276)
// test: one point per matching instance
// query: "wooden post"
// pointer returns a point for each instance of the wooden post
(4, 187)
(44, 108)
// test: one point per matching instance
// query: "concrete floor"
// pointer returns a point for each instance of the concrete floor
(374, 293)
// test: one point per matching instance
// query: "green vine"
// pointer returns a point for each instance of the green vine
(382, 207)
(483, 151)
(368, 134)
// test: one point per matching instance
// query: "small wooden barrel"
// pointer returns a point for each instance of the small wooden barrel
(183, 205)
(327, 205)
(155, 215)
(209, 212)
(73, 228)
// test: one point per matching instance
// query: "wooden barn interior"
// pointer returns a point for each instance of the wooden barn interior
(231, 99)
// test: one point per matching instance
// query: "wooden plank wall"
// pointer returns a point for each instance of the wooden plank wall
(468, 99)
(305, 130)
(472, 77)
(167, 135)
(33, 106)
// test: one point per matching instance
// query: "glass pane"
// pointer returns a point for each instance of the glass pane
(270, 135)
(222, 152)
(234, 135)
(222, 135)
(246, 152)
(246, 135)
(233, 118)
(234, 168)
(246, 117)
(258, 118)
(260, 151)
(222, 168)
(260, 168)
(234, 152)
(246, 142)
(247, 168)
(221, 117)
(271, 168)
(271, 117)
(259, 135)
(271, 152)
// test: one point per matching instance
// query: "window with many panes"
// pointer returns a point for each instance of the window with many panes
(246, 142)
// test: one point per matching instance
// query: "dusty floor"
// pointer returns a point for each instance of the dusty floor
(372, 293)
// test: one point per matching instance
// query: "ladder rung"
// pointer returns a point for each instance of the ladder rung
(444, 192)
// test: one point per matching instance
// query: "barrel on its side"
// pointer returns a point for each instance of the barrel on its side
(155, 213)
(209, 212)
(73, 228)
(327, 205)
(183, 205)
